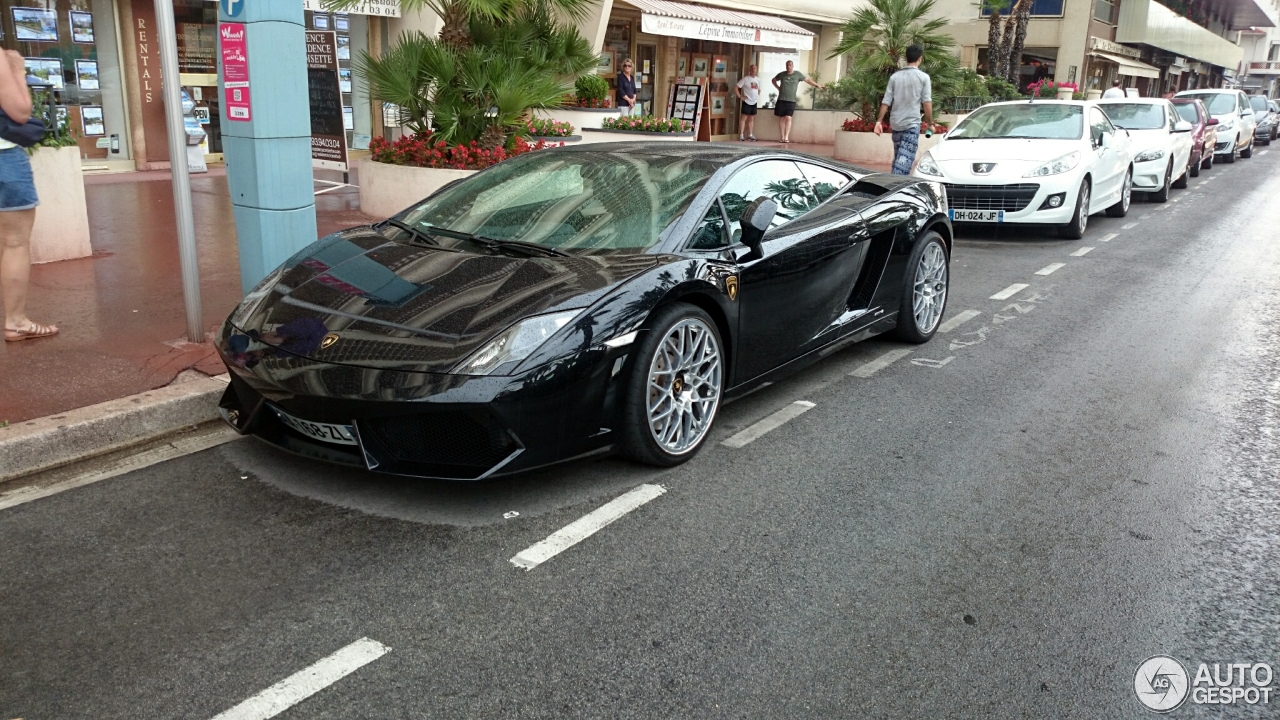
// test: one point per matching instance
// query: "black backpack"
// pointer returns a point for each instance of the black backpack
(25, 134)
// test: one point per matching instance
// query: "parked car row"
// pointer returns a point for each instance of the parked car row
(1055, 162)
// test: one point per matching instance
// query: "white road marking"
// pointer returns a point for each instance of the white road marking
(1144, 217)
(1010, 291)
(926, 362)
(773, 422)
(1108, 237)
(1262, 152)
(164, 453)
(305, 683)
(1050, 269)
(1174, 199)
(585, 526)
(874, 366)
(1081, 252)
(958, 320)
(1129, 226)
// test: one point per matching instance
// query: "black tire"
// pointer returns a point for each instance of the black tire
(1230, 157)
(909, 330)
(638, 442)
(1074, 230)
(1121, 208)
(1208, 162)
(1183, 179)
(1247, 152)
(1194, 168)
(1162, 195)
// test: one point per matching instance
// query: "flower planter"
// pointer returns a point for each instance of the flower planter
(61, 230)
(580, 118)
(870, 149)
(1064, 93)
(807, 126)
(599, 135)
(387, 189)
(555, 139)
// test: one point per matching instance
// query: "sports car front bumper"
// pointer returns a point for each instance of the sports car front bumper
(427, 424)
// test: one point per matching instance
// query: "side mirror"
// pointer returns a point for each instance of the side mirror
(1182, 126)
(755, 220)
(1212, 122)
(1105, 140)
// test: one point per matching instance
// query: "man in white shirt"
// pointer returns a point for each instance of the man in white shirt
(1115, 91)
(748, 91)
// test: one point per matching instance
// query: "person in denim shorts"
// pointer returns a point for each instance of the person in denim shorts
(17, 208)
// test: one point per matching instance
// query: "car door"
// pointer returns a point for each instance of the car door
(1110, 163)
(1180, 142)
(1248, 121)
(801, 283)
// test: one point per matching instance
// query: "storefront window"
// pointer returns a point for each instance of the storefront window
(72, 56)
(1039, 8)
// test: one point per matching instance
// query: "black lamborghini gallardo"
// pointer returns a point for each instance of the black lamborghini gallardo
(580, 300)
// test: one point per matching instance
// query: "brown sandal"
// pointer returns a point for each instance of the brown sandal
(36, 330)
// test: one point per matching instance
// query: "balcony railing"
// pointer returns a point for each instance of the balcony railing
(1264, 68)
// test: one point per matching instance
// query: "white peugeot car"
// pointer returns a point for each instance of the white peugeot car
(1161, 142)
(1052, 162)
(1236, 123)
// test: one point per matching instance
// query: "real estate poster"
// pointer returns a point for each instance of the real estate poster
(44, 71)
(35, 24)
(87, 74)
(91, 120)
(81, 27)
(328, 134)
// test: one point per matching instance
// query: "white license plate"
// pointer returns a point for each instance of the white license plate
(324, 432)
(995, 216)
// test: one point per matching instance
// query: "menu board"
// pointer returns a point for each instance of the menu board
(328, 134)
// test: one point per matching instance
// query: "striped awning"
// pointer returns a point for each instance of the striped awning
(663, 17)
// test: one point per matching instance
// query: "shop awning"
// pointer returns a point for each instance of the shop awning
(662, 17)
(1130, 67)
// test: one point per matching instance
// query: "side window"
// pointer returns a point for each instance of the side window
(779, 180)
(1098, 125)
(825, 181)
(710, 233)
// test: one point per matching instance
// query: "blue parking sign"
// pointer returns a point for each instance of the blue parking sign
(231, 8)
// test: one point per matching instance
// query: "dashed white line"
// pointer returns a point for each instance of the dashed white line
(1175, 199)
(1144, 217)
(1129, 226)
(874, 366)
(769, 424)
(958, 320)
(1010, 291)
(585, 526)
(1262, 152)
(1050, 269)
(1108, 237)
(305, 683)
(1081, 252)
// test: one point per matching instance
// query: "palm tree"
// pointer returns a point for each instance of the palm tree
(876, 39)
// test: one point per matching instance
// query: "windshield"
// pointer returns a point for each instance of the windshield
(1047, 121)
(1187, 111)
(1135, 116)
(592, 202)
(1218, 103)
(1259, 103)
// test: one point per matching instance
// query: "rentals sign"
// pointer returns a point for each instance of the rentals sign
(701, 30)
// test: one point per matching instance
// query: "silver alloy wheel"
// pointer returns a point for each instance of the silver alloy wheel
(930, 288)
(1084, 206)
(683, 390)
(1127, 195)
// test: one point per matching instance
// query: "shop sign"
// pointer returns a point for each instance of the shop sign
(1106, 46)
(328, 133)
(235, 71)
(701, 30)
(380, 8)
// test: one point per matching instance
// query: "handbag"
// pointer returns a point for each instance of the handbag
(22, 134)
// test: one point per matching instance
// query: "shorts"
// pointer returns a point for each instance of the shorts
(785, 108)
(748, 108)
(17, 186)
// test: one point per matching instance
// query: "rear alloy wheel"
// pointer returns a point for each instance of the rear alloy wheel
(924, 298)
(1230, 157)
(1162, 195)
(1194, 167)
(1074, 230)
(1248, 152)
(1121, 208)
(1208, 161)
(1181, 182)
(677, 378)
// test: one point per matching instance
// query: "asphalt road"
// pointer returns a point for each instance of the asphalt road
(1002, 523)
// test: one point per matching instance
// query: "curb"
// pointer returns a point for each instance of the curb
(48, 442)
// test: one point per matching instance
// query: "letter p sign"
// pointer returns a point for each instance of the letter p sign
(231, 8)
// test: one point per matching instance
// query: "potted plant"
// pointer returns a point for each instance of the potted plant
(61, 229)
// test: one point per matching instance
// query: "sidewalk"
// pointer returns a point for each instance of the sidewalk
(120, 311)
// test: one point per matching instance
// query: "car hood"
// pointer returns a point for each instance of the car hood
(1013, 158)
(1143, 140)
(380, 302)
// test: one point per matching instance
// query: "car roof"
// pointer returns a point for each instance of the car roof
(1131, 101)
(721, 154)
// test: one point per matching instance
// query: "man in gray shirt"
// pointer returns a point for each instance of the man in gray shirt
(908, 96)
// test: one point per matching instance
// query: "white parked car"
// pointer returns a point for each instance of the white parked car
(1161, 143)
(1236, 123)
(1052, 162)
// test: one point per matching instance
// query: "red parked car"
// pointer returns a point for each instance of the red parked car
(1204, 132)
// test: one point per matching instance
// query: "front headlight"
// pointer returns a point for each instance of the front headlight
(1225, 125)
(515, 343)
(1149, 155)
(1057, 166)
(928, 167)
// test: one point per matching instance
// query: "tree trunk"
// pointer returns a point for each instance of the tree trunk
(455, 30)
(994, 31)
(1023, 15)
